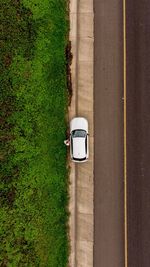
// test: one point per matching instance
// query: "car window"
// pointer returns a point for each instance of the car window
(77, 159)
(71, 145)
(78, 133)
(86, 145)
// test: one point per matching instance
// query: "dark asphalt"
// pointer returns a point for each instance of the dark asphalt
(138, 132)
(108, 144)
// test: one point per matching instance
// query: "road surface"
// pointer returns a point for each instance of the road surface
(138, 132)
(109, 217)
(108, 109)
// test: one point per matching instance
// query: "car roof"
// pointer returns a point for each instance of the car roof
(79, 150)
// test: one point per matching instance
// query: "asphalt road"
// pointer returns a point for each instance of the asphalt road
(108, 121)
(138, 132)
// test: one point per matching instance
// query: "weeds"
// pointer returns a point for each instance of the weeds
(33, 100)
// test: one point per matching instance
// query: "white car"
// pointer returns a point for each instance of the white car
(79, 140)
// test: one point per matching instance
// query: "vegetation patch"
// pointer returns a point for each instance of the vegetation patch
(33, 101)
(68, 70)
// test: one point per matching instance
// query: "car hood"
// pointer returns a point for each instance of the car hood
(79, 147)
(79, 124)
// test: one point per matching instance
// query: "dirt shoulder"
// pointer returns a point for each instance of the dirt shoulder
(81, 176)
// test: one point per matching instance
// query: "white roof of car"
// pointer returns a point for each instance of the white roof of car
(79, 147)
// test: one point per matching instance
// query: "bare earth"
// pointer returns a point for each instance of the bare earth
(81, 175)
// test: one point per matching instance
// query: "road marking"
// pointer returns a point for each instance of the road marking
(125, 134)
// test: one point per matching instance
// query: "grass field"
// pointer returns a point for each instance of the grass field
(33, 100)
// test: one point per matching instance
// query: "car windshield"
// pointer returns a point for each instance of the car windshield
(78, 133)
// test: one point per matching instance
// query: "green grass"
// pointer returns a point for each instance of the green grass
(33, 99)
